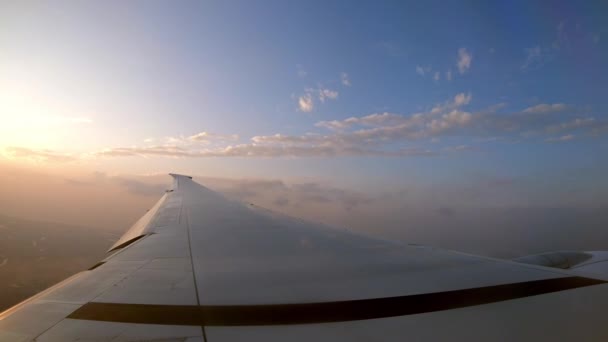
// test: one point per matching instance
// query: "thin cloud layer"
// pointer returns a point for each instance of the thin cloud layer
(546, 108)
(345, 79)
(207, 137)
(383, 134)
(464, 60)
(38, 155)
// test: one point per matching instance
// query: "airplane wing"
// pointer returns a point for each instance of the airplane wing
(200, 267)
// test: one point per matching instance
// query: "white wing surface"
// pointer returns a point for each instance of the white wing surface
(200, 267)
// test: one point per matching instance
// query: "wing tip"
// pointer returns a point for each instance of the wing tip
(177, 175)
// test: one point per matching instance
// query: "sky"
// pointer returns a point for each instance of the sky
(458, 103)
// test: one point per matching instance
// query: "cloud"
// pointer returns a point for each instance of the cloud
(291, 195)
(448, 75)
(306, 103)
(546, 108)
(437, 76)
(376, 119)
(345, 79)
(250, 188)
(562, 138)
(389, 126)
(450, 119)
(386, 127)
(495, 107)
(423, 70)
(271, 147)
(38, 155)
(140, 188)
(599, 128)
(206, 137)
(325, 94)
(571, 125)
(147, 151)
(464, 60)
(420, 134)
(536, 57)
(462, 99)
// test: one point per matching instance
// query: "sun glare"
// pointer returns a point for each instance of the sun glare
(32, 120)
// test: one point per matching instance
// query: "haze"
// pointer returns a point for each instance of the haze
(473, 126)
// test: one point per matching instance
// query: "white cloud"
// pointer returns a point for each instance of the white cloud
(462, 99)
(206, 137)
(546, 108)
(534, 58)
(377, 134)
(464, 60)
(449, 119)
(325, 94)
(423, 70)
(437, 76)
(334, 125)
(458, 117)
(563, 138)
(345, 79)
(571, 125)
(394, 127)
(448, 75)
(306, 103)
(496, 107)
(266, 150)
(373, 120)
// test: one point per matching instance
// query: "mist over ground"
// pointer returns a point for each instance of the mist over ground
(56, 224)
(35, 255)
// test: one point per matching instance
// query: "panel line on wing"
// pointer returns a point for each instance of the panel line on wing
(198, 301)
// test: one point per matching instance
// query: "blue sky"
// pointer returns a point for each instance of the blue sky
(366, 94)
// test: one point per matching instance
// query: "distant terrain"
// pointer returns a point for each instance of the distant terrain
(35, 255)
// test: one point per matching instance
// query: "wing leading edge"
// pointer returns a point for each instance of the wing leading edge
(200, 267)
